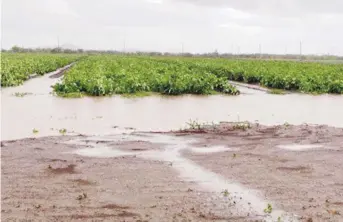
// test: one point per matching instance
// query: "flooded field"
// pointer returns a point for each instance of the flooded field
(106, 115)
(109, 166)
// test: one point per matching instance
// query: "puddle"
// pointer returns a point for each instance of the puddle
(99, 116)
(246, 200)
(299, 147)
(101, 151)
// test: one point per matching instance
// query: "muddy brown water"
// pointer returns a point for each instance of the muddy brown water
(106, 115)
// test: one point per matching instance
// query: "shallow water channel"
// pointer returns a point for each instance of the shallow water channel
(106, 115)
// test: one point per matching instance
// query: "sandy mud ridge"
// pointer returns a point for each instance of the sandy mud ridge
(225, 172)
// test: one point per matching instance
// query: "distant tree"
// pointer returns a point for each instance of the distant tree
(16, 49)
(68, 51)
(55, 50)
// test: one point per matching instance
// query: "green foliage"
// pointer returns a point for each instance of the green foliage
(277, 91)
(225, 193)
(307, 77)
(63, 131)
(268, 209)
(108, 74)
(17, 67)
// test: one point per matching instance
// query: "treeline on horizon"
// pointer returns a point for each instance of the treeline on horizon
(16, 49)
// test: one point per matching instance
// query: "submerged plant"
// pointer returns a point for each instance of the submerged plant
(19, 94)
(277, 91)
(194, 125)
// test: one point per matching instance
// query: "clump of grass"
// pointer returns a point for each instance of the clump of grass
(35, 131)
(242, 126)
(195, 125)
(63, 131)
(225, 193)
(268, 209)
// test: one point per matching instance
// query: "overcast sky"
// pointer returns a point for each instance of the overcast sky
(163, 25)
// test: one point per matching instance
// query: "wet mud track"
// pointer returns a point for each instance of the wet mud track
(227, 172)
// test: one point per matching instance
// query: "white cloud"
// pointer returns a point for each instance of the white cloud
(160, 25)
(236, 14)
(58, 7)
(155, 1)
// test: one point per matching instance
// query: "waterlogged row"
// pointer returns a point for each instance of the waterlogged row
(108, 74)
(17, 67)
(307, 77)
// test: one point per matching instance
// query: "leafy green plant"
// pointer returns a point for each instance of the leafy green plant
(63, 131)
(225, 193)
(17, 67)
(242, 126)
(128, 75)
(268, 209)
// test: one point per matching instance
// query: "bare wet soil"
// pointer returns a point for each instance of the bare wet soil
(303, 180)
(45, 180)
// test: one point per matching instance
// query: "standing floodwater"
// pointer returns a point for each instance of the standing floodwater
(40, 110)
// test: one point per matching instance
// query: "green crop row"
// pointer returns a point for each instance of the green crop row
(17, 67)
(298, 76)
(107, 74)
(111, 74)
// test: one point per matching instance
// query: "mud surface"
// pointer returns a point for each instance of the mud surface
(306, 179)
(207, 174)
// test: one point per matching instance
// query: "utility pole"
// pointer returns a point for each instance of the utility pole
(300, 50)
(58, 42)
(260, 50)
